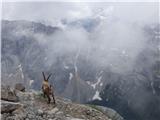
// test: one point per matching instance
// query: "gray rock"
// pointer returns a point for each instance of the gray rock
(110, 113)
(63, 110)
(25, 97)
(9, 107)
(8, 94)
(40, 112)
(30, 116)
(53, 111)
(20, 87)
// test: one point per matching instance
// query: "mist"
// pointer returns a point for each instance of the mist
(114, 35)
(117, 34)
(104, 43)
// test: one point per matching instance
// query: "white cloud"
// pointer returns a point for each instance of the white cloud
(81, 0)
(119, 27)
(54, 11)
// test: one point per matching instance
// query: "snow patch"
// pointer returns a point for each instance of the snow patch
(96, 96)
(22, 76)
(153, 90)
(98, 81)
(101, 84)
(20, 68)
(31, 82)
(70, 76)
(66, 67)
(88, 82)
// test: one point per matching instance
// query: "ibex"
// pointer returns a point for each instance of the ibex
(47, 89)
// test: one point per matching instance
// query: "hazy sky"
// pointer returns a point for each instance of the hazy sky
(86, 0)
(118, 32)
(54, 11)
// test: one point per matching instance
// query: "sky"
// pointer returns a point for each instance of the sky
(52, 12)
(85, 0)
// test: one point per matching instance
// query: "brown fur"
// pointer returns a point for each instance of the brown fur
(52, 93)
(47, 89)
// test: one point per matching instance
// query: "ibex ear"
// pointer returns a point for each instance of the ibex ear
(49, 77)
(43, 76)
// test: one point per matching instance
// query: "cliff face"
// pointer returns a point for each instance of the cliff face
(28, 48)
(32, 106)
(138, 91)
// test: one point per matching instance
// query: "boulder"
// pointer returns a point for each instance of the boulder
(9, 107)
(20, 87)
(8, 94)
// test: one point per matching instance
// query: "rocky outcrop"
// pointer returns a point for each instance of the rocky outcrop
(9, 107)
(110, 112)
(32, 106)
(8, 94)
(20, 87)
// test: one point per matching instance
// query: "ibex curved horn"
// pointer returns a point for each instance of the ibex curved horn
(43, 75)
(49, 76)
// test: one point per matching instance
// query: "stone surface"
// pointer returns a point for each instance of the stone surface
(32, 106)
(113, 115)
(9, 107)
(8, 94)
(20, 87)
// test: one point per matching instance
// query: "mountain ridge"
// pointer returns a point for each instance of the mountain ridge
(31, 105)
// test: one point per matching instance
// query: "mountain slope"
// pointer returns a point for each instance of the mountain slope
(25, 56)
(32, 105)
(29, 49)
(136, 95)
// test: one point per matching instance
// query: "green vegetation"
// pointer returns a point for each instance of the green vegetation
(94, 107)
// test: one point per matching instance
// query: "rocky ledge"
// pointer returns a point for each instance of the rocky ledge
(32, 106)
